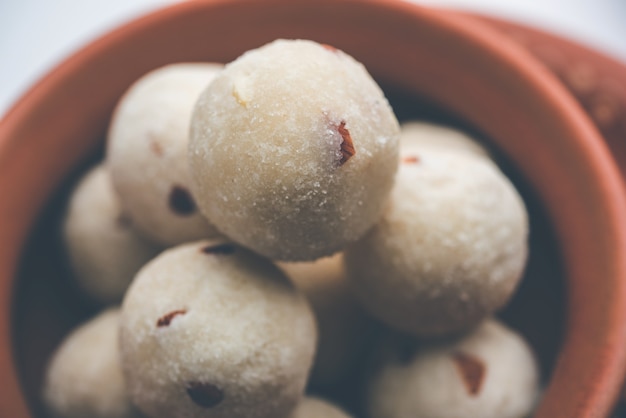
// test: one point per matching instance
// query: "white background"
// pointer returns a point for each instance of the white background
(37, 34)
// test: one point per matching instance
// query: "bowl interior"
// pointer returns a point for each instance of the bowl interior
(428, 61)
(48, 305)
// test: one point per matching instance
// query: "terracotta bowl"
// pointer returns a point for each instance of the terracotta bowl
(597, 81)
(432, 64)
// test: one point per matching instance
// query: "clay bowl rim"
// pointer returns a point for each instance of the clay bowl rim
(584, 143)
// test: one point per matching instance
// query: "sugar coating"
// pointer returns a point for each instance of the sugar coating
(449, 250)
(490, 373)
(212, 330)
(147, 152)
(416, 135)
(104, 249)
(342, 324)
(270, 150)
(84, 377)
(310, 407)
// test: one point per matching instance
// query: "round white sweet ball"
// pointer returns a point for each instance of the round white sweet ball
(104, 249)
(344, 328)
(417, 135)
(449, 250)
(147, 152)
(84, 378)
(490, 373)
(214, 331)
(310, 407)
(293, 150)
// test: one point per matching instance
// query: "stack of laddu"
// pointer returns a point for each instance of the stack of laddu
(258, 220)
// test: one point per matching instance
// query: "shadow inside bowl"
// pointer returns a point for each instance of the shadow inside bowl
(47, 305)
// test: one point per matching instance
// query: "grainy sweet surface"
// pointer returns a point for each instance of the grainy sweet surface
(449, 250)
(147, 153)
(416, 135)
(490, 373)
(344, 328)
(211, 330)
(104, 249)
(293, 150)
(84, 378)
(310, 407)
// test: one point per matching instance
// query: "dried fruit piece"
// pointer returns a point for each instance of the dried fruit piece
(181, 202)
(329, 47)
(411, 159)
(205, 395)
(123, 220)
(156, 148)
(221, 249)
(347, 146)
(472, 371)
(166, 319)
